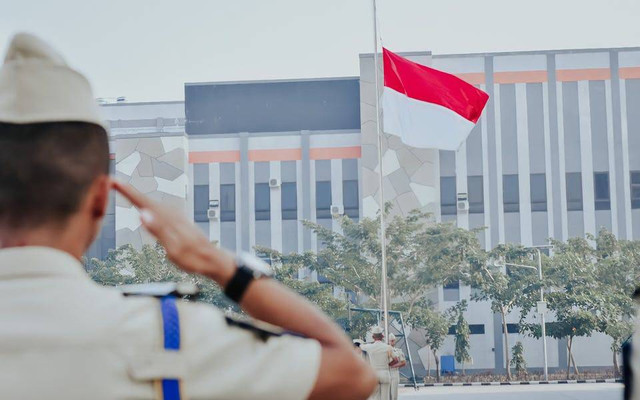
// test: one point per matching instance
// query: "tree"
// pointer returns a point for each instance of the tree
(615, 276)
(433, 325)
(506, 287)
(286, 269)
(126, 265)
(462, 344)
(574, 293)
(421, 254)
(518, 361)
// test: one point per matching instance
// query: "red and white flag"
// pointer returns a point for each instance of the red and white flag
(426, 107)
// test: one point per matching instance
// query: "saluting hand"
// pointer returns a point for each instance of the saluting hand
(185, 244)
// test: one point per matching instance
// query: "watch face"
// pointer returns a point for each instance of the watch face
(255, 263)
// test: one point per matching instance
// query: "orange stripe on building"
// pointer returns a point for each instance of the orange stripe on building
(590, 74)
(275, 155)
(520, 77)
(473, 78)
(629, 73)
(332, 153)
(204, 157)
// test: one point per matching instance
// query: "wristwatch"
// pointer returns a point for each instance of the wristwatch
(249, 268)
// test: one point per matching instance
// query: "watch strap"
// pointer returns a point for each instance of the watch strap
(238, 284)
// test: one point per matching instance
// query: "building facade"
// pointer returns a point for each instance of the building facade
(556, 154)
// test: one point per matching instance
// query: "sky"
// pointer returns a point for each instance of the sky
(147, 50)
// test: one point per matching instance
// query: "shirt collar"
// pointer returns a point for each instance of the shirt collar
(37, 261)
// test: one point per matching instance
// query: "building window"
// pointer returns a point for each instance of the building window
(476, 194)
(350, 198)
(448, 195)
(601, 190)
(200, 203)
(538, 184)
(228, 202)
(474, 329)
(451, 291)
(510, 193)
(323, 199)
(289, 200)
(513, 328)
(263, 202)
(635, 189)
(574, 191)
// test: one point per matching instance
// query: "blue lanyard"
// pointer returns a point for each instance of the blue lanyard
(171, 329)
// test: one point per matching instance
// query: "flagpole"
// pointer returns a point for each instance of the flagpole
(383, 242)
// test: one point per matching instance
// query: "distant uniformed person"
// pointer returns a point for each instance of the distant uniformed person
(399, 361)
(64, 337)
(380, 356)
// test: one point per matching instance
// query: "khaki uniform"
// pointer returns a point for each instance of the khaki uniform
(395, 373)
(64, 337)
(380, 356)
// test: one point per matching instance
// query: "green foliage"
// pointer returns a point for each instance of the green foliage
(286, 269)
(517, 360)
(126, 265)
(421, 254)
(462, 344)
(433, 325)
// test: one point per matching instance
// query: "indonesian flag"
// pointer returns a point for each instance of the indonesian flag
(426, 107)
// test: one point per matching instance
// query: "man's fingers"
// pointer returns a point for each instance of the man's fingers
(130, 193)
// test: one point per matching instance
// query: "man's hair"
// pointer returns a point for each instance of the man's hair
(46, 169)
(378, 336)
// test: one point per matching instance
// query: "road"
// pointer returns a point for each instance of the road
(580, 391)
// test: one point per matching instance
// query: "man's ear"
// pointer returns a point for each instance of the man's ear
(99, 196)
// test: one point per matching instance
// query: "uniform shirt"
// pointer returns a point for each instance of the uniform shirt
(63, 336)
(399, 354)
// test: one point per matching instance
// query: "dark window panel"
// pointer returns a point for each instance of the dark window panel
(513, 328)
(263, 202)
(538, 184)
(452, 285)
(510, 193)
(323, 199)
(350, 198)
(448, 195)
(228, 202)
(474, 329)
(601, 191)
(635, 189)
(289, 201)
(200, 203)
(574, 191)
(476, 194)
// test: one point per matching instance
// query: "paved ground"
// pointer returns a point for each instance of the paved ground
(580, 391)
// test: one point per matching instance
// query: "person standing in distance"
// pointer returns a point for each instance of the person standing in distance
(380, 356)
(398, 362)
(62, 336)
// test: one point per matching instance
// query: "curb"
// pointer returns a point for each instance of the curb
(516, 383)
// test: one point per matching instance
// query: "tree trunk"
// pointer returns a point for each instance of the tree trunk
(435, 356)
(570, 356)
(575, 366)
(506, 342)
(616, 367)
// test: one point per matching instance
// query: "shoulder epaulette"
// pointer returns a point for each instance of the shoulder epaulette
(183, 290)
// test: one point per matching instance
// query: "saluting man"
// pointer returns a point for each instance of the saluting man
(62, 336)
(399, 361)
(380, 356)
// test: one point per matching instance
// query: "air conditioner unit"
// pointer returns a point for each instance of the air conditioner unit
(212, 213)
(337, 209)
(463, 202)
(274, 182)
